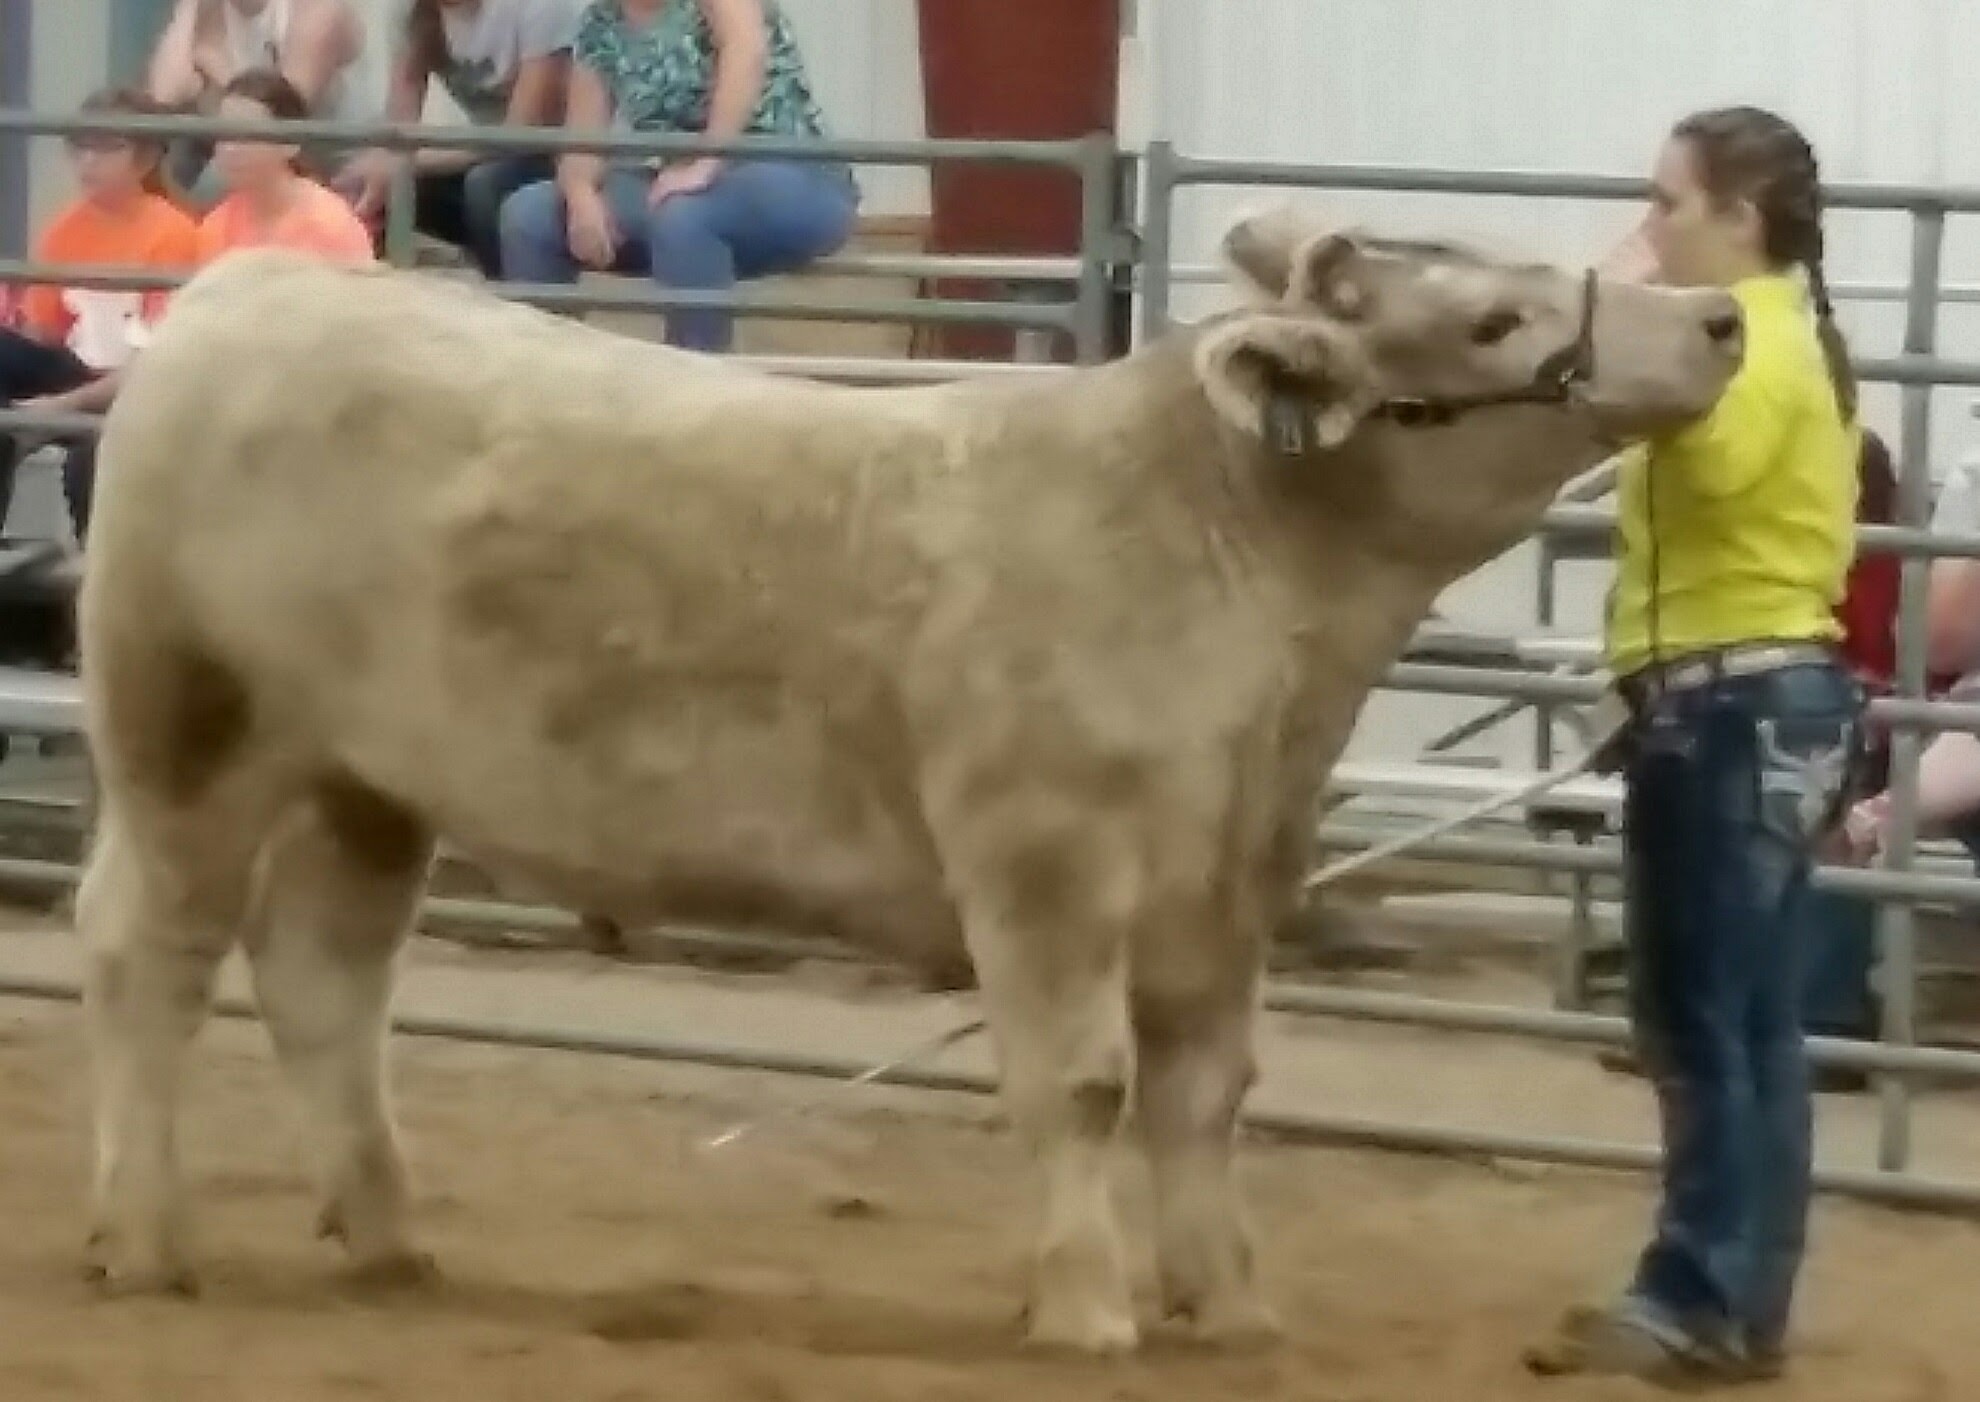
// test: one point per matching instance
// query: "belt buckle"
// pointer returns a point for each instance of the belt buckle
(1768, 656)
(1686, 672)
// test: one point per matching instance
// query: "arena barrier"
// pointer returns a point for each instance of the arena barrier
(1524, 671)
(1083, 316)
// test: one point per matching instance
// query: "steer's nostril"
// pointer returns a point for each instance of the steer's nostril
(1724, 329)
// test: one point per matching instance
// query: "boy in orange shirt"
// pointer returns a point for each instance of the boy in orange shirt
(69, 345)
(269, 201)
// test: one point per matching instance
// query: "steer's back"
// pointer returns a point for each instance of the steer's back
(301, 435)
(541, 584)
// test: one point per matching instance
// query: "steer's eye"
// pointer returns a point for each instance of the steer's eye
(1496, 327)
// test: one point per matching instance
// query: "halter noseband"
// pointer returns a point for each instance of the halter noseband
(1553, 382)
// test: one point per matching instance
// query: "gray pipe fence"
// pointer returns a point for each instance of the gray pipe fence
(1093, 160)
(1113, 256)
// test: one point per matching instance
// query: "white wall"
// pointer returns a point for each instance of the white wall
(1586, 86)
(865, 61)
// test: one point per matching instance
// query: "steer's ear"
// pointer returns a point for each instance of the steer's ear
(1262, 246)
(1330, 274)
(1299, 383)
(1292, 257)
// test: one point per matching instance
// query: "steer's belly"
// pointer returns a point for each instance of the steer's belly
(727, 824)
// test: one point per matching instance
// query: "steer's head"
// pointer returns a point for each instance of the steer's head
(1448, 392)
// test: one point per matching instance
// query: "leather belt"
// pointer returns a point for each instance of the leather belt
(1704, 668)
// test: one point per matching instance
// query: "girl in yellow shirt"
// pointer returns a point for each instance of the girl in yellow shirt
(1736, 534)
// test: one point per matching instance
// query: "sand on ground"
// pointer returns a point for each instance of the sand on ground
(870, 1248)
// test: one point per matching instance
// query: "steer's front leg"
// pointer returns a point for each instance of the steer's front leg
(1057, 1005)
(1195, 1064)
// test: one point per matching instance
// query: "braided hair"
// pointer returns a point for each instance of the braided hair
(1748, 153)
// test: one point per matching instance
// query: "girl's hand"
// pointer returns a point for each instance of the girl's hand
(1865, 827)
(1632, 260)
(367, 182)
(684, 179)
(594, 238)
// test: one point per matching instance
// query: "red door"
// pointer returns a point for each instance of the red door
(1011, 70)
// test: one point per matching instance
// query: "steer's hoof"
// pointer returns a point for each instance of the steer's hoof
(401, 1270)
(1089, 1329)
(330, 1223)
(117, 1275)
(1241, 1323)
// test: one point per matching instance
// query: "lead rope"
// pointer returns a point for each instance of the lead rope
(1604, 730)
(1396, 846)
(939, 1043)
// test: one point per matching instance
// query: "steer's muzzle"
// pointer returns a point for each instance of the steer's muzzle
(1663, 355)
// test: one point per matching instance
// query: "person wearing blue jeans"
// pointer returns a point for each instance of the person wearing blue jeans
(504, 63)
(463, 206)
(1736, 535)
(753, 219)
(716, 68)
(1731, 781)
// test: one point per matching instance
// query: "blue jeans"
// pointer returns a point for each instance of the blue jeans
(1718, 826)
(756, 219)
(464, 207)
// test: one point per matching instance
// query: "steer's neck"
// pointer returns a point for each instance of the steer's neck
(1318, 536)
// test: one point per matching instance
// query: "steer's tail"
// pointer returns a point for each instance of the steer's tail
(186, 790)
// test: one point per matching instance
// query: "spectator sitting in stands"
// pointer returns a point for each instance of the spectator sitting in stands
(72, 343)
(505, 63)
(1948, 791)
(1952, 602)
(1839, 935)
(270, 201)
(206, 44)
(1949, 767)
(721, 68)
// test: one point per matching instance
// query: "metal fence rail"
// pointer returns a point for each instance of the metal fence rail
(1093, 160)
(1107, 250)
(1904, 1190)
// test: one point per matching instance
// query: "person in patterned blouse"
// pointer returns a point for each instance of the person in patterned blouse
(722, 68)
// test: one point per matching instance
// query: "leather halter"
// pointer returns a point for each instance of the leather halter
(1287, 416)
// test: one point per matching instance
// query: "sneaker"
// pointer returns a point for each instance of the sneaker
(1765, 1363)
(1765, 1367)
(1629, 1341)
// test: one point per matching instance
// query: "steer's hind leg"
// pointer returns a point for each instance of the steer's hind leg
(1194, 1064)
(160, 904)
(343, 880)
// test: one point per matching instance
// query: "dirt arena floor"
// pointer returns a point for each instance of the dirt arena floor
(593, 1252)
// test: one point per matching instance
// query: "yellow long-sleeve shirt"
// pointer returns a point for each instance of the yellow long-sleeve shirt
(1745, 519)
